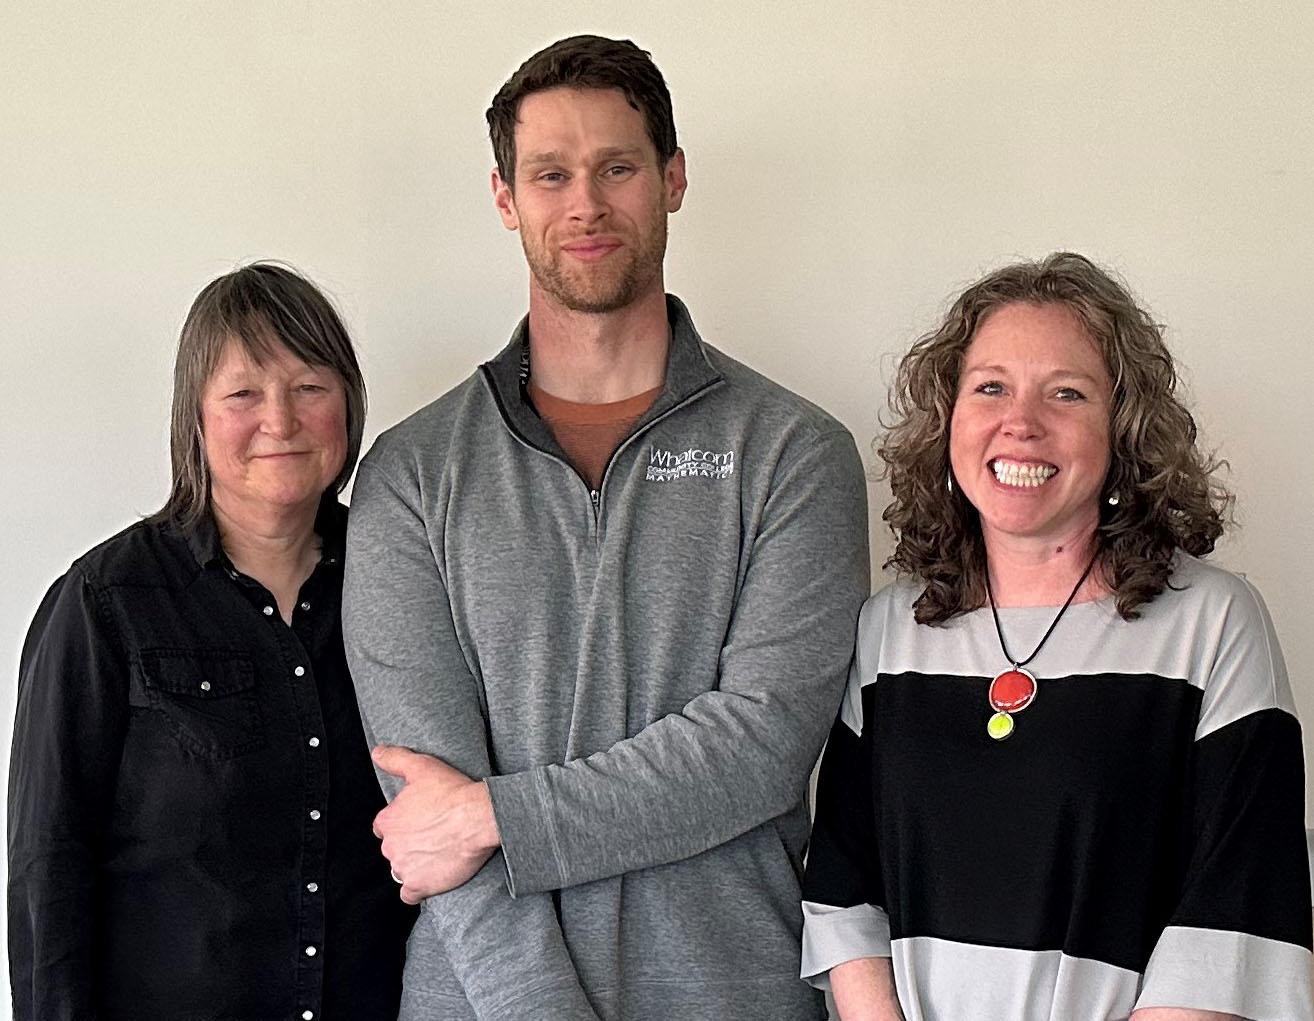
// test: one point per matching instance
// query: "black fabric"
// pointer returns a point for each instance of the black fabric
(1246, 871)
(1096, 824)
(844, 856)
(176, 788)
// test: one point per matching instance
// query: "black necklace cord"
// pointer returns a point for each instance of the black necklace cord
(1062, 610)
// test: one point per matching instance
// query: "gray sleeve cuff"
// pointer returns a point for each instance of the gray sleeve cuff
(529, 843)
(832, 936)
(1231, 972)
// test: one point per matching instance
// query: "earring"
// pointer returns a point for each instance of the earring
(949, 482)
(1113, 499)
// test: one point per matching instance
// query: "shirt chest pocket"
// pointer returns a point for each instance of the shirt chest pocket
(206, 699)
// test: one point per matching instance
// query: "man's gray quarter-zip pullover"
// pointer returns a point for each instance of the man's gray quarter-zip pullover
(644, 674)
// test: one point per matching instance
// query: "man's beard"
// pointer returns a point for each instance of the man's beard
(600, 286)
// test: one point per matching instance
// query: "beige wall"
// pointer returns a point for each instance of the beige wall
(850, 166)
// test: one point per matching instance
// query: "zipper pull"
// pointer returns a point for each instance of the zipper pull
(595, 496)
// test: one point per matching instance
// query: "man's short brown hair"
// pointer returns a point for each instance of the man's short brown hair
(584, 62)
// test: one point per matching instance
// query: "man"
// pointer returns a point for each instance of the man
(613, 577)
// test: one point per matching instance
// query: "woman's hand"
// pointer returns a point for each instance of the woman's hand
(864, 990)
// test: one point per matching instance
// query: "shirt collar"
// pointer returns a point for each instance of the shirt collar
(688, 371)
(330, 525)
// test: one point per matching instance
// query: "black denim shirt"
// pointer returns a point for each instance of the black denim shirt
(190, 797)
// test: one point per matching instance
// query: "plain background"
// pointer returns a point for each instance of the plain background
(851, 166)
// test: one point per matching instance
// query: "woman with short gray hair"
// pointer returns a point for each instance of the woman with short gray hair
(190, 793)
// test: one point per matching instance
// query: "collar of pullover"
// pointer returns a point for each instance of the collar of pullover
(688, 372)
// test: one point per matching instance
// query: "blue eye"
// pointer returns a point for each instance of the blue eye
(990, 389)
(1068, 393)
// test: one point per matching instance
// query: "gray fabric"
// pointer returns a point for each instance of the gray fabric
(646, 684)
(1249, 976)
(832, 936)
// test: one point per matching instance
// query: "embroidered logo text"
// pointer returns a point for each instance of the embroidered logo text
(669, 465)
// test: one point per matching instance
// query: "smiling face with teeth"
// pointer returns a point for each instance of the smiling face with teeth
(1029, 437)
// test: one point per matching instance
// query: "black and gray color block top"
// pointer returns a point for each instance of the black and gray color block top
(1138, 841)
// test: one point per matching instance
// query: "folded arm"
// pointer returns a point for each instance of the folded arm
(739, 754)
(416, 690)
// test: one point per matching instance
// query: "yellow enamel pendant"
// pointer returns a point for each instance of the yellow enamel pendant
(1000, 726)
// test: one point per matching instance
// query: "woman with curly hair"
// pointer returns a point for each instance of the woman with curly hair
(1066, 781)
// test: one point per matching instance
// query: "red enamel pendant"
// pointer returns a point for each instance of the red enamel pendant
(1012, 690)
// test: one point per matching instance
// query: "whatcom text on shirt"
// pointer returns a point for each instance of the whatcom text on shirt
(669, 465)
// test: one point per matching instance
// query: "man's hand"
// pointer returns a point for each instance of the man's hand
(439, 830)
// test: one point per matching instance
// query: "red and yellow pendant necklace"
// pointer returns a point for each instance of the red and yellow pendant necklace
(1014, 689)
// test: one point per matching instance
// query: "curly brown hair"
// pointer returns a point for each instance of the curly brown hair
(1167, 495)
